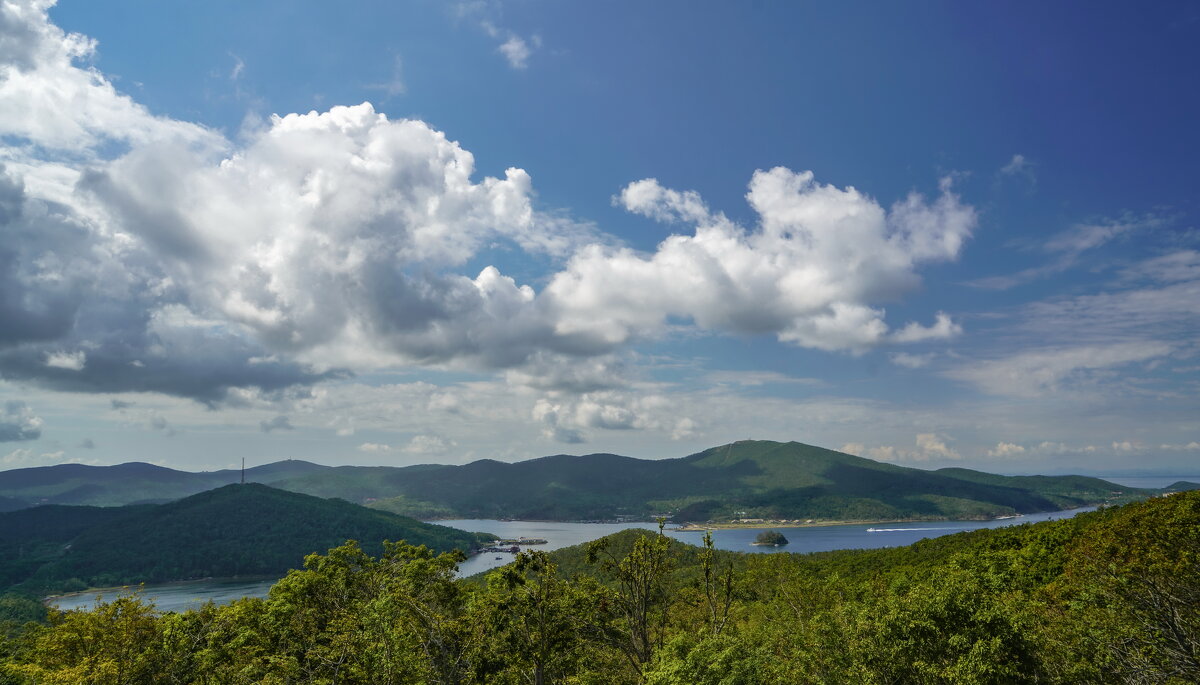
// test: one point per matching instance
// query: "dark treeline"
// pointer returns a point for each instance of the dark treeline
(235, 530)
(1106, 597)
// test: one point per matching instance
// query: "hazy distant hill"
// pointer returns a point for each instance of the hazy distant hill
(750, 479)
(126, 483)
(747, 479)
(232, 530)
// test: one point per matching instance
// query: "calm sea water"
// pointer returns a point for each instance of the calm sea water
(806, 539)
(192, 594)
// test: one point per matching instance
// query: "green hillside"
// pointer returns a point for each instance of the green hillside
(1181, 486)
(1108, 596)
(235, 530)
(747, 479)
(131, 483)
(1069, 491)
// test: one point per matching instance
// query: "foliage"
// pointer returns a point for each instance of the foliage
(237, 530)
(1106, 597)
(1138, 579)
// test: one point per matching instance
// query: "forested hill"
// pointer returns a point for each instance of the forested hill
(1181, 486)
(131, 483)
(747, 479)
(1108, 596)
(235, 530)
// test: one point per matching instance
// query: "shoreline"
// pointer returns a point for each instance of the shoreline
(696, 527)
(133, 588)
(690, 526)
(816, 523)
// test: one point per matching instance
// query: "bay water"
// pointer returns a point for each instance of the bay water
(192, 594)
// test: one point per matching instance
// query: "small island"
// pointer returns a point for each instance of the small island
(770, 538)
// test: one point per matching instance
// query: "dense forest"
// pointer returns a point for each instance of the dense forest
(236, 530)
(1105, 597)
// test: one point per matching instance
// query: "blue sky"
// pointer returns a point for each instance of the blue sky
(393, 233)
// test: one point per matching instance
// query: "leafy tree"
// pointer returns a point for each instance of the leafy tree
(641, 602)
(945, 630)
(717, 587)
(349, 618)
(534, 620)
(1136, 577)
(114, 643)
(720, 659)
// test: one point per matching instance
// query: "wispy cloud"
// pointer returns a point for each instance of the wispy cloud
(1019, 167)
(394, 84)
(759, 378)
(515, 49)
(239, 67)
(280, 422)
(1069, 246)
(1083, 237)
(912, 361)
(1038, 372)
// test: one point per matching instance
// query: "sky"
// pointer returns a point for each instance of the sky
(933, 234)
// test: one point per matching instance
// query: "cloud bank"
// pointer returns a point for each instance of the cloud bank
(142, 253)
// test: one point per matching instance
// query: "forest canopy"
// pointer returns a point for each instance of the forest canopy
(1107, 596)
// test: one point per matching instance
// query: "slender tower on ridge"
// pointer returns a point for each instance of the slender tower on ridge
(243, 470)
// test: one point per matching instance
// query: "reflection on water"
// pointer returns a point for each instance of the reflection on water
(190, 595)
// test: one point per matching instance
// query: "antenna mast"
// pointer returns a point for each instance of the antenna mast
(243, 470)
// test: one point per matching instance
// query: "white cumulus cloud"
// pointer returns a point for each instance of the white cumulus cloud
(1006, 449)
(49, 94)
(516, 51)
(72, 361)
(18, 422)
(811, 273)
(160, 256)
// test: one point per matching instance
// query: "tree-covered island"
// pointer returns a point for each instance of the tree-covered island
(770, 538)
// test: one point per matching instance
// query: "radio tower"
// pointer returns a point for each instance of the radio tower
(243, 470)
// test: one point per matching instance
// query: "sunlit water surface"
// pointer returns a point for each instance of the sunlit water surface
(192, 594)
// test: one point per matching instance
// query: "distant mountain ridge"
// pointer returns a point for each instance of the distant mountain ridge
(128, 483)
(746, 479)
